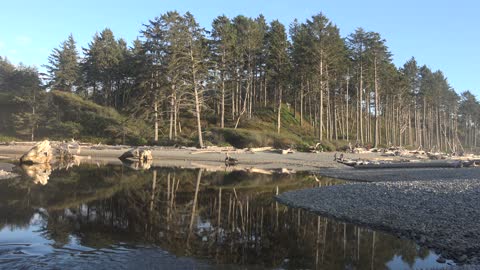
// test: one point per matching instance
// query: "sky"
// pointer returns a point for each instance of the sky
(442, 34)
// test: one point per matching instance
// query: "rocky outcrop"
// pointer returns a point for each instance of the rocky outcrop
(137, 154)
(41, 153)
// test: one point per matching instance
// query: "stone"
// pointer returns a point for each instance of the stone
(462, 258)
(41, 153)
(441, 260)
(422, 239)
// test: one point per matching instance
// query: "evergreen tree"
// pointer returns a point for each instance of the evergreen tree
(63, 67)
(101, 66)
(223, 36)
(278, 64)
(29, 96)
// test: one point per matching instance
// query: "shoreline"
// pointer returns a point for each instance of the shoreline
(441, 215)
(193, 158)
(372, 198)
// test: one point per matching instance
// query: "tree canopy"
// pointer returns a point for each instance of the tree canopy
(184, 82)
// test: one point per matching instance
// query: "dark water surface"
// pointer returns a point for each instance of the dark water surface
(113, 217)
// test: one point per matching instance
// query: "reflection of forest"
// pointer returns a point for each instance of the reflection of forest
(193, 213)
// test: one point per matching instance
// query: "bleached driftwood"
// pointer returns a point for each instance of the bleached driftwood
(259, 149)
(41, 153)
(283, 151)
(140, 154)
(40, 173)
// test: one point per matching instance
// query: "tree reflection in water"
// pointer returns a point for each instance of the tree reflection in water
(226, 218)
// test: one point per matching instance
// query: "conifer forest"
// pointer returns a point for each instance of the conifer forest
(185, 83)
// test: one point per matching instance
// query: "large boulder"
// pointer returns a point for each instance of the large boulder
(137, 154)
(41, 153)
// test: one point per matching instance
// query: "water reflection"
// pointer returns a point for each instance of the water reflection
(225, 219)
(137, 164)
(40, 173)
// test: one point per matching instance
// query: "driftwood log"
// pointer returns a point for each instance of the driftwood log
(41, 153)
(140, 154)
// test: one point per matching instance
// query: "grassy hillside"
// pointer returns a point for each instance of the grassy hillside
(63, 116)
(83, 119)
(66, 115)
(262, 131)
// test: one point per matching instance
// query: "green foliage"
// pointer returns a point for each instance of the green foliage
(245, 138)
(179, 78)
(63, 66)
(6, 138)
(80, 118)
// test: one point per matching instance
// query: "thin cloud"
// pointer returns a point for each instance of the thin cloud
(23, 40)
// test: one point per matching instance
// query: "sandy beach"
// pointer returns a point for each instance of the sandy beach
(192, 158)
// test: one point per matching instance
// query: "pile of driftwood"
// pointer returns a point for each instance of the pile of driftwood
(413, 154)
(233, 150)
(406, 163)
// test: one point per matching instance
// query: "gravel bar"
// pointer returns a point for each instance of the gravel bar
(382, 175)
(443, 214)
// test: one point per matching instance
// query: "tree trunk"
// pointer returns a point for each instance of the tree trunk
(197, 99)
(360, 104)
(172, 112)
(377, 138)
(155, 109)
(33, 114)
(321, 102)
(301, 103)
(279, 123)
(222, 123)
(424, 129)
(346, 102)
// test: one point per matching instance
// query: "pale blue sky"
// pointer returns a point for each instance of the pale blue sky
(441, 34)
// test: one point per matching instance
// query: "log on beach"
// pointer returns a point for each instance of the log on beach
(140, 154)
(41, 153)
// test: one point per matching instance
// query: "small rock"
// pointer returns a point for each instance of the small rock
(441, 260)
(422, 239)
(462, 258)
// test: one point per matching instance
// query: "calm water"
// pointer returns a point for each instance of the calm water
(115, 217)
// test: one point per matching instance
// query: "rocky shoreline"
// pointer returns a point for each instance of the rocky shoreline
(385, 175)
(440, 214)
